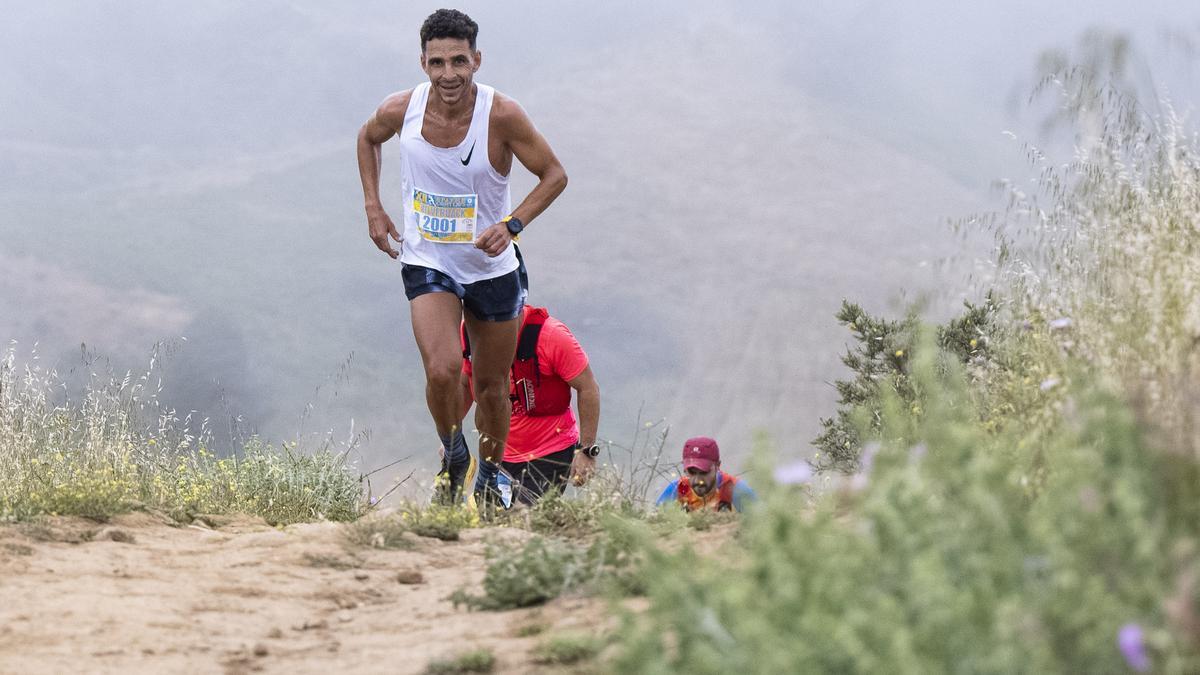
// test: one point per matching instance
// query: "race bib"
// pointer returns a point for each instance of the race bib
(445, 219)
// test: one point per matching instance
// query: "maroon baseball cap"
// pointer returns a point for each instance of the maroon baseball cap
(701, 452)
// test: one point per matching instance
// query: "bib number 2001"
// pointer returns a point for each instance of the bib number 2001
(444, 225)
(445, 219)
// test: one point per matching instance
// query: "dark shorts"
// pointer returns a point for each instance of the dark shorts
(532, 479)
(497, 299)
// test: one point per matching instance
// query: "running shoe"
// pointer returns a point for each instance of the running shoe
(449, 482)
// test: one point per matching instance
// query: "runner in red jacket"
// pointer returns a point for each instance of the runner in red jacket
(546, 444)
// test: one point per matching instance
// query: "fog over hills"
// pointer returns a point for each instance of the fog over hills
(188, 170)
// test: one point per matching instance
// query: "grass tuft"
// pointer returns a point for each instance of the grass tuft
(567, 649)
(475, 661)
(438, 521)
(115, 449)
(383, 532)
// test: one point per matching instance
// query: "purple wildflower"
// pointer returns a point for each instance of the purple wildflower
(858, 482)
(796, 473)
(1132, 644)
(867, 459)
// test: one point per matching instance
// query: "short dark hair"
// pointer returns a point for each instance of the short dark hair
(449, 23)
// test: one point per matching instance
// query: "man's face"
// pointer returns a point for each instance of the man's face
(702, 482)
(450, 64)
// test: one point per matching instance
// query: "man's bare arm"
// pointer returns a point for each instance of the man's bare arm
(587, 400)
(587, 394)
(534, 152)
(385, 123)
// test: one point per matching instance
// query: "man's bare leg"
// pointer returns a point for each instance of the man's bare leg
(493, 345)
(435, 321)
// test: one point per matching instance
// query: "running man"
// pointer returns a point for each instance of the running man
(705, 485)
(547, 446)
(458, 139)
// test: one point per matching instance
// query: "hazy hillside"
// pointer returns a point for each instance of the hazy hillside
(191, 168)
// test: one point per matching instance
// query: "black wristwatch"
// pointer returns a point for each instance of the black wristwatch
(514, 225)
(592, 451)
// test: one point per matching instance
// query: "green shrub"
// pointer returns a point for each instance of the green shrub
(582, 516)
(940, 557)
(527, 575)
(880, 366)
(556, 515)
(387, 532)
(544, 568)
(475, 661)
(531, 629)
(1025, 493)
(438, 521)
(567, 648)
(705, 519)
(616, 559)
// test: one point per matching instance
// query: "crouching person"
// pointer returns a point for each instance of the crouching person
(547, 445)
(704, 485)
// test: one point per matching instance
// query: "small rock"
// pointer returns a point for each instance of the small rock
(260, 650)
(275, 633)
(345, 617)
(362, 576)
(410, 577)
(346, 603)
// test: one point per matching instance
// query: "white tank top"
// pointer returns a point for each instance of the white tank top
(452, 195)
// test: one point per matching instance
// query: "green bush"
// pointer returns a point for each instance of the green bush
(526, 575)
(567, 648)
(942, 558)
(880, 364)
(556, 515)
(386, 532)
(475, 661)
(438, 521)
(1025, 488)
(544, 568)
(605, 495)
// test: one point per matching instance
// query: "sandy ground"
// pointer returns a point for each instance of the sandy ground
(139, 595)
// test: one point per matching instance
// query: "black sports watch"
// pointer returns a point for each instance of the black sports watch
(514, 225)
(592, 451)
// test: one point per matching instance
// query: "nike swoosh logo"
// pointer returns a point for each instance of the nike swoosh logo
(468, 159)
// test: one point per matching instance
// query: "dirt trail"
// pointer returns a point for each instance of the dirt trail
(143, 596)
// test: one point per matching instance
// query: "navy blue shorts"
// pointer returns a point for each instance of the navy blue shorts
(497, 299)
(532, 479)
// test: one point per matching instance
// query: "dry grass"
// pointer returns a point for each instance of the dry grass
(114, 448)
